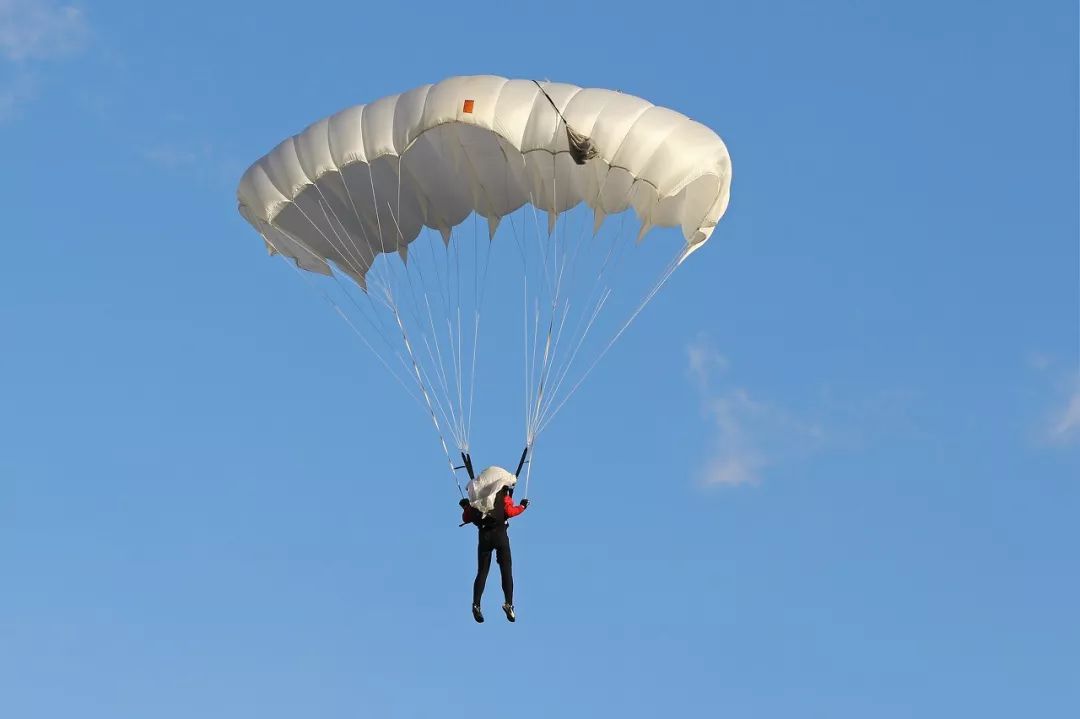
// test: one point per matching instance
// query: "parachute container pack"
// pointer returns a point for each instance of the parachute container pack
(483, 489)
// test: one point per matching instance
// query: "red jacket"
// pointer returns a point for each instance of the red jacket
(471, 514)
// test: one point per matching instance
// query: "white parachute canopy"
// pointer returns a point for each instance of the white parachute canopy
(366, 181)
(378, 199)
(483, 489)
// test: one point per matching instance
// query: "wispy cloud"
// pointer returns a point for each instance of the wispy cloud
(704, 361)
(33, 32)
(200, 162)
(1060, 422)
(1064, 425)
(40, 30)
(749, 435)
(175, 156)
(14, 91)
(1040, 361)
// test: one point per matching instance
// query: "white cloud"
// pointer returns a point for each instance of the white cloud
(179, 154)
(749, 435)
(704, 361)
(1061, 424)
(201, 162)
(40, 30)
(731, 470)
(32, 32)
(1040, 361)
(1064, 426)
(173, 156)
(14, 93)
(735, 456)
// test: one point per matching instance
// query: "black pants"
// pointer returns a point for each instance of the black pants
(498, 540)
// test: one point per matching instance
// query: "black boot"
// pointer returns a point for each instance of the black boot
(477, 614)
(509, 609)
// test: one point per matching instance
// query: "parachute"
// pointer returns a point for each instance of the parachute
(482, 489)
(377, 199)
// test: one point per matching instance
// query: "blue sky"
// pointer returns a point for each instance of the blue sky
(831, 472)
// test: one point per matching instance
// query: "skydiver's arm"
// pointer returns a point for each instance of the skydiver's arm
(512, 510)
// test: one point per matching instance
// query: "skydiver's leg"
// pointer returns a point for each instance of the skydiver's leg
(483, 564)
(502, 556)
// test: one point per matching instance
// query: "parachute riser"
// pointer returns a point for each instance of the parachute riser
(521, 462)
(467, 466)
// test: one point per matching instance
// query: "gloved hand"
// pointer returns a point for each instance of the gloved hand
(525, 503)
(463, 503)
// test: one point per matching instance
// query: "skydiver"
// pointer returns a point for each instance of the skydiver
(491, 535)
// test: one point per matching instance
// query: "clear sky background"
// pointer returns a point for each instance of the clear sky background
(833, 471)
